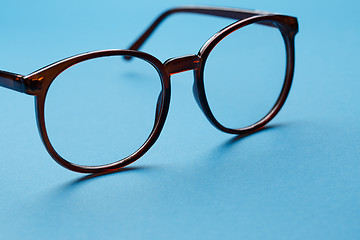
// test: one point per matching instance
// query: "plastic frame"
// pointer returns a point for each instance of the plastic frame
(37, 83)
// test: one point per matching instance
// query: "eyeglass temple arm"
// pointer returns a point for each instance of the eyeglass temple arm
(214, 11)
(11, 81)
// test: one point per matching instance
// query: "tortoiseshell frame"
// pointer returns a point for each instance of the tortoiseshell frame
(37, 83)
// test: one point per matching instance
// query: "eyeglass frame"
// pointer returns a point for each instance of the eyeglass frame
(38, 82)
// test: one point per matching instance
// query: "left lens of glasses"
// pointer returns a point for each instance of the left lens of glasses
(102, 110)
(244, 75)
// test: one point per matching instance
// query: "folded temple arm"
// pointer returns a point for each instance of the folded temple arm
(12, 81)
(214, 11)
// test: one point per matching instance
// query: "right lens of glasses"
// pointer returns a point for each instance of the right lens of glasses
(102, 110)
(244, 75)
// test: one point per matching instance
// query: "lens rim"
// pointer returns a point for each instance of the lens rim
(48, 74)
(288, 34)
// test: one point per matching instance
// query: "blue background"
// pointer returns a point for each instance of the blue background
(298, 179)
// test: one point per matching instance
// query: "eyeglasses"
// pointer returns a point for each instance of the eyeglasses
(102, 110)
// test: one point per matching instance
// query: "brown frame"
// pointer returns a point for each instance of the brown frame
(37, 83)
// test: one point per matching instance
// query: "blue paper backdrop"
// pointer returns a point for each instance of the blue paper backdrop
(298, 179)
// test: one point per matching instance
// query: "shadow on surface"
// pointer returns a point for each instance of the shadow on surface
(227, 144)
(237, 138)
(86, 178)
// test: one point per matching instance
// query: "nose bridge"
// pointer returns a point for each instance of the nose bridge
(181, 64)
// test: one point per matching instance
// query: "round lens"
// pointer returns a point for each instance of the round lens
(244, 75)
(102, 110)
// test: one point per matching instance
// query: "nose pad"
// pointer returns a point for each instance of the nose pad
(196, 95)
(158, 106)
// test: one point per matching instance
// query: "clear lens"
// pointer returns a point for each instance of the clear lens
(244, 75)
(102, 110)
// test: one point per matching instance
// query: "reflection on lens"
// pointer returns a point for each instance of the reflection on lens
(102, 110)
(244, 75)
